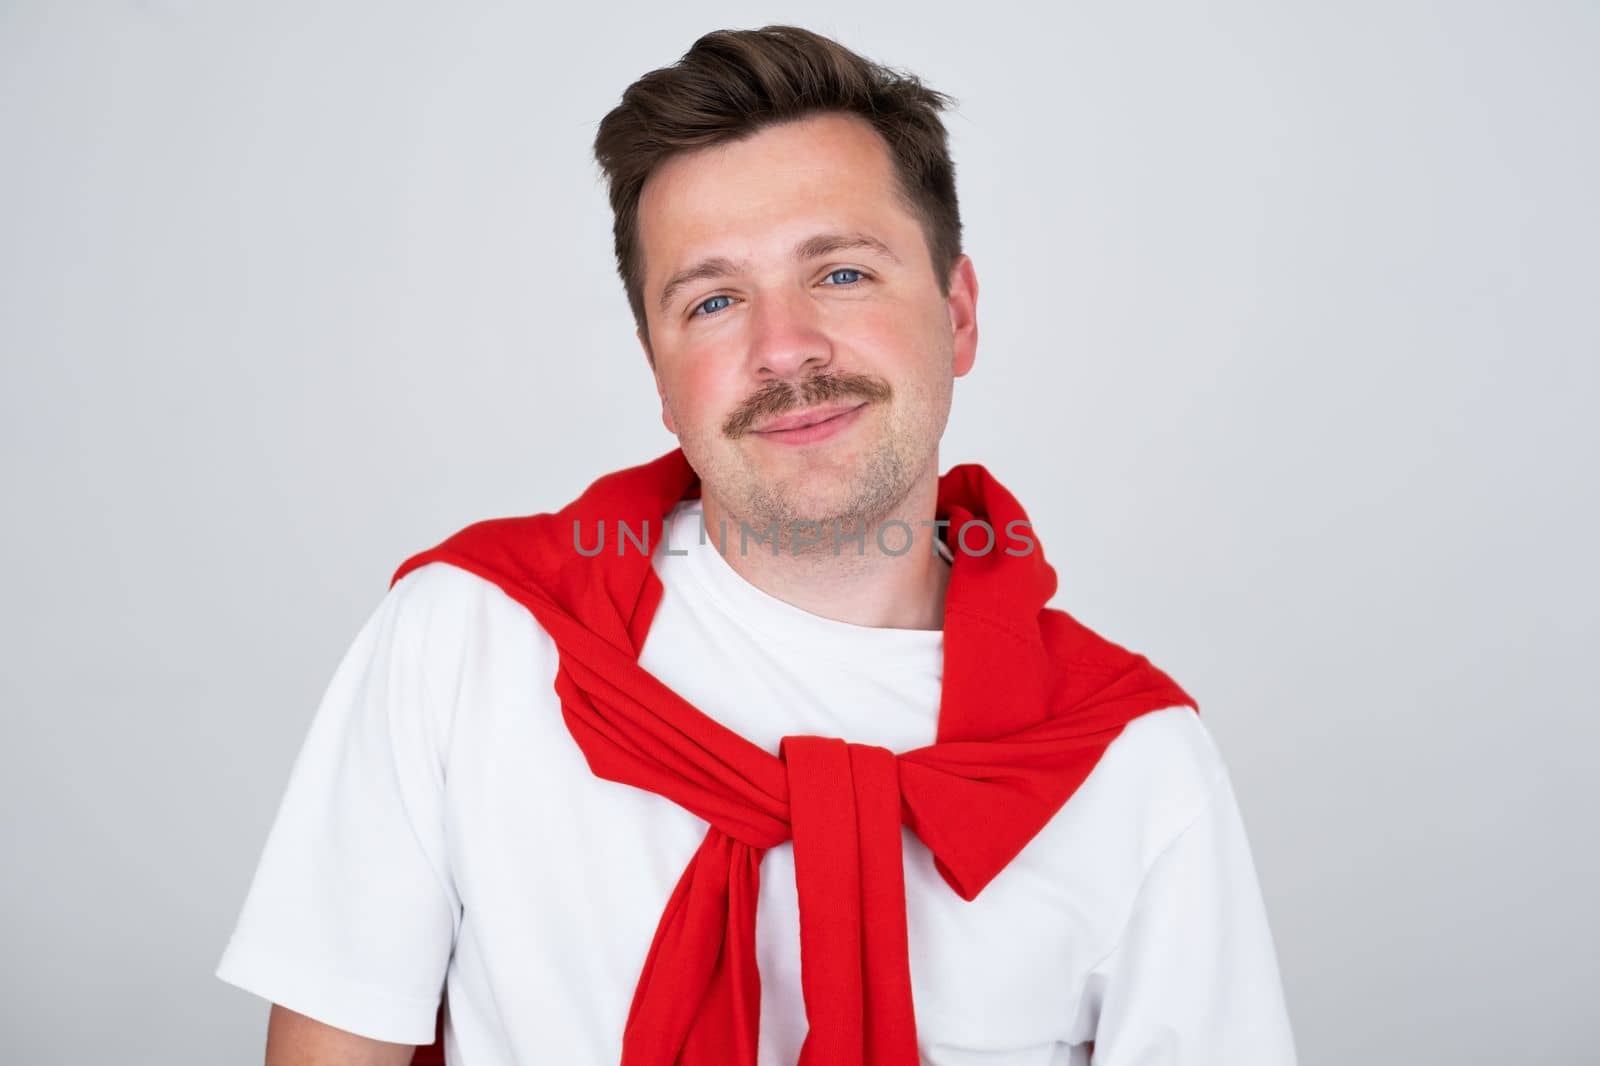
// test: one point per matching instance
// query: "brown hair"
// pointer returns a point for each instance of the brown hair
(733, 83)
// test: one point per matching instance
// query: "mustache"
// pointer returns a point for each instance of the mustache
(782, 396)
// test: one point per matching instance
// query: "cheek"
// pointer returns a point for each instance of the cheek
(905, 338)
(702, 393)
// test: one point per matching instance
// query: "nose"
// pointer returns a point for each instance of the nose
(787, 339)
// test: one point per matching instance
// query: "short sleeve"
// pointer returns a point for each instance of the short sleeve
(352, 914)
(1194, 976)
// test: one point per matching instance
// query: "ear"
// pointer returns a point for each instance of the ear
(963, 305)
(650, 358)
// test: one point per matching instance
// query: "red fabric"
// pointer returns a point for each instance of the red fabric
(1030, 700)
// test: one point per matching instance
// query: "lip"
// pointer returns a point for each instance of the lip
(813, 425)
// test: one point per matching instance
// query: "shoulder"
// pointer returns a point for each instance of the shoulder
(1162, 772)
(439, 590)
(453, 618)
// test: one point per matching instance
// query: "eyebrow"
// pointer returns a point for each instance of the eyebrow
(821, 244)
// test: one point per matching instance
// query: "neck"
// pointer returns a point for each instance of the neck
(860, 582)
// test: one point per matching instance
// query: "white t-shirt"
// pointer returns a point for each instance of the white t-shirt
(440, 828)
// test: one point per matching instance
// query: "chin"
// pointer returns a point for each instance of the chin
(819, 506)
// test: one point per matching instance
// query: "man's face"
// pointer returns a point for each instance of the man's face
(769, 338)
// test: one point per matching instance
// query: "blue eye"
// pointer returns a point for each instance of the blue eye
(703, 309)
(700, 306)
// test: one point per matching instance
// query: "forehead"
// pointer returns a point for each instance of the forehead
(755, 196)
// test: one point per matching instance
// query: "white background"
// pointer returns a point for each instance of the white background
(1289, 346)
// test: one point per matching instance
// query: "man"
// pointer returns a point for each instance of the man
(766, 750)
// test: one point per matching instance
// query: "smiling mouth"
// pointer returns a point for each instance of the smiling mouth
(806, 421)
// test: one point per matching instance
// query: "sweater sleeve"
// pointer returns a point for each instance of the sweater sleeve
(1193, 979)
(352, 913)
